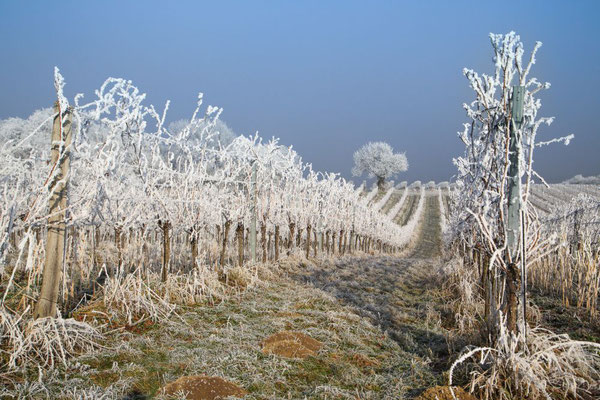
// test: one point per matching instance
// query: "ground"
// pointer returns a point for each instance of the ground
(373, 327)
(378, 319)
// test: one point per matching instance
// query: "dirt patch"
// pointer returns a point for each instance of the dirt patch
(203, 388)
(444, 393)
(291, 345)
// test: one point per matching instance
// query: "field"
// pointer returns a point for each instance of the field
(386, 323)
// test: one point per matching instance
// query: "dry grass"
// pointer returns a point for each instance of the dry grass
(573, 273)
(42, 344)
(543, 365)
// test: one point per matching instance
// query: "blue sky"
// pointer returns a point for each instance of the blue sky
(323, 76)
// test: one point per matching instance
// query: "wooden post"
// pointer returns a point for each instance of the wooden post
(253, 214)
(277, 238)
(166, 256)
(194, 245)
(119, 246)
(58, 186)
(308, 233)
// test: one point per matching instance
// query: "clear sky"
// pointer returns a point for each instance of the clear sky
(324, 76)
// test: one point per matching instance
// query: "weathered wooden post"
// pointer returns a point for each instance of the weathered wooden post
(253, 213)
(60, 158)
(513, 222)
(277, 239)
(308, 233)
(166, 253)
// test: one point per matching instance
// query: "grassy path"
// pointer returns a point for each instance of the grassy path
(407, 209)
(397, 294)
(428, 244)
(394, 198)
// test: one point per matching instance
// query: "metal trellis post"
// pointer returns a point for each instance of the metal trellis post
(514, 229)
(514, 173)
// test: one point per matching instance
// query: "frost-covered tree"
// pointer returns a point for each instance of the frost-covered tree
(482, 200)
(379, 161)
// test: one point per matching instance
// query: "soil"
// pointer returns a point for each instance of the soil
(203, 388)
(291, 345)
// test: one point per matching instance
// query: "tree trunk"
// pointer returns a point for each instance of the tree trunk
(315, 243)
(218, 233)
(322, 244)
(291, 237)
(226, 229)
(333, 237)
(263, 241)
(95, 242)
(381, 183)
(240, 239)
(145, 256)
(485, 266)
(194, 245)
(513, 283)
(269, 244)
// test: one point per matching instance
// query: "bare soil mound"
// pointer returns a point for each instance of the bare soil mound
(291, 345)
(443, 393)
(203, 388)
